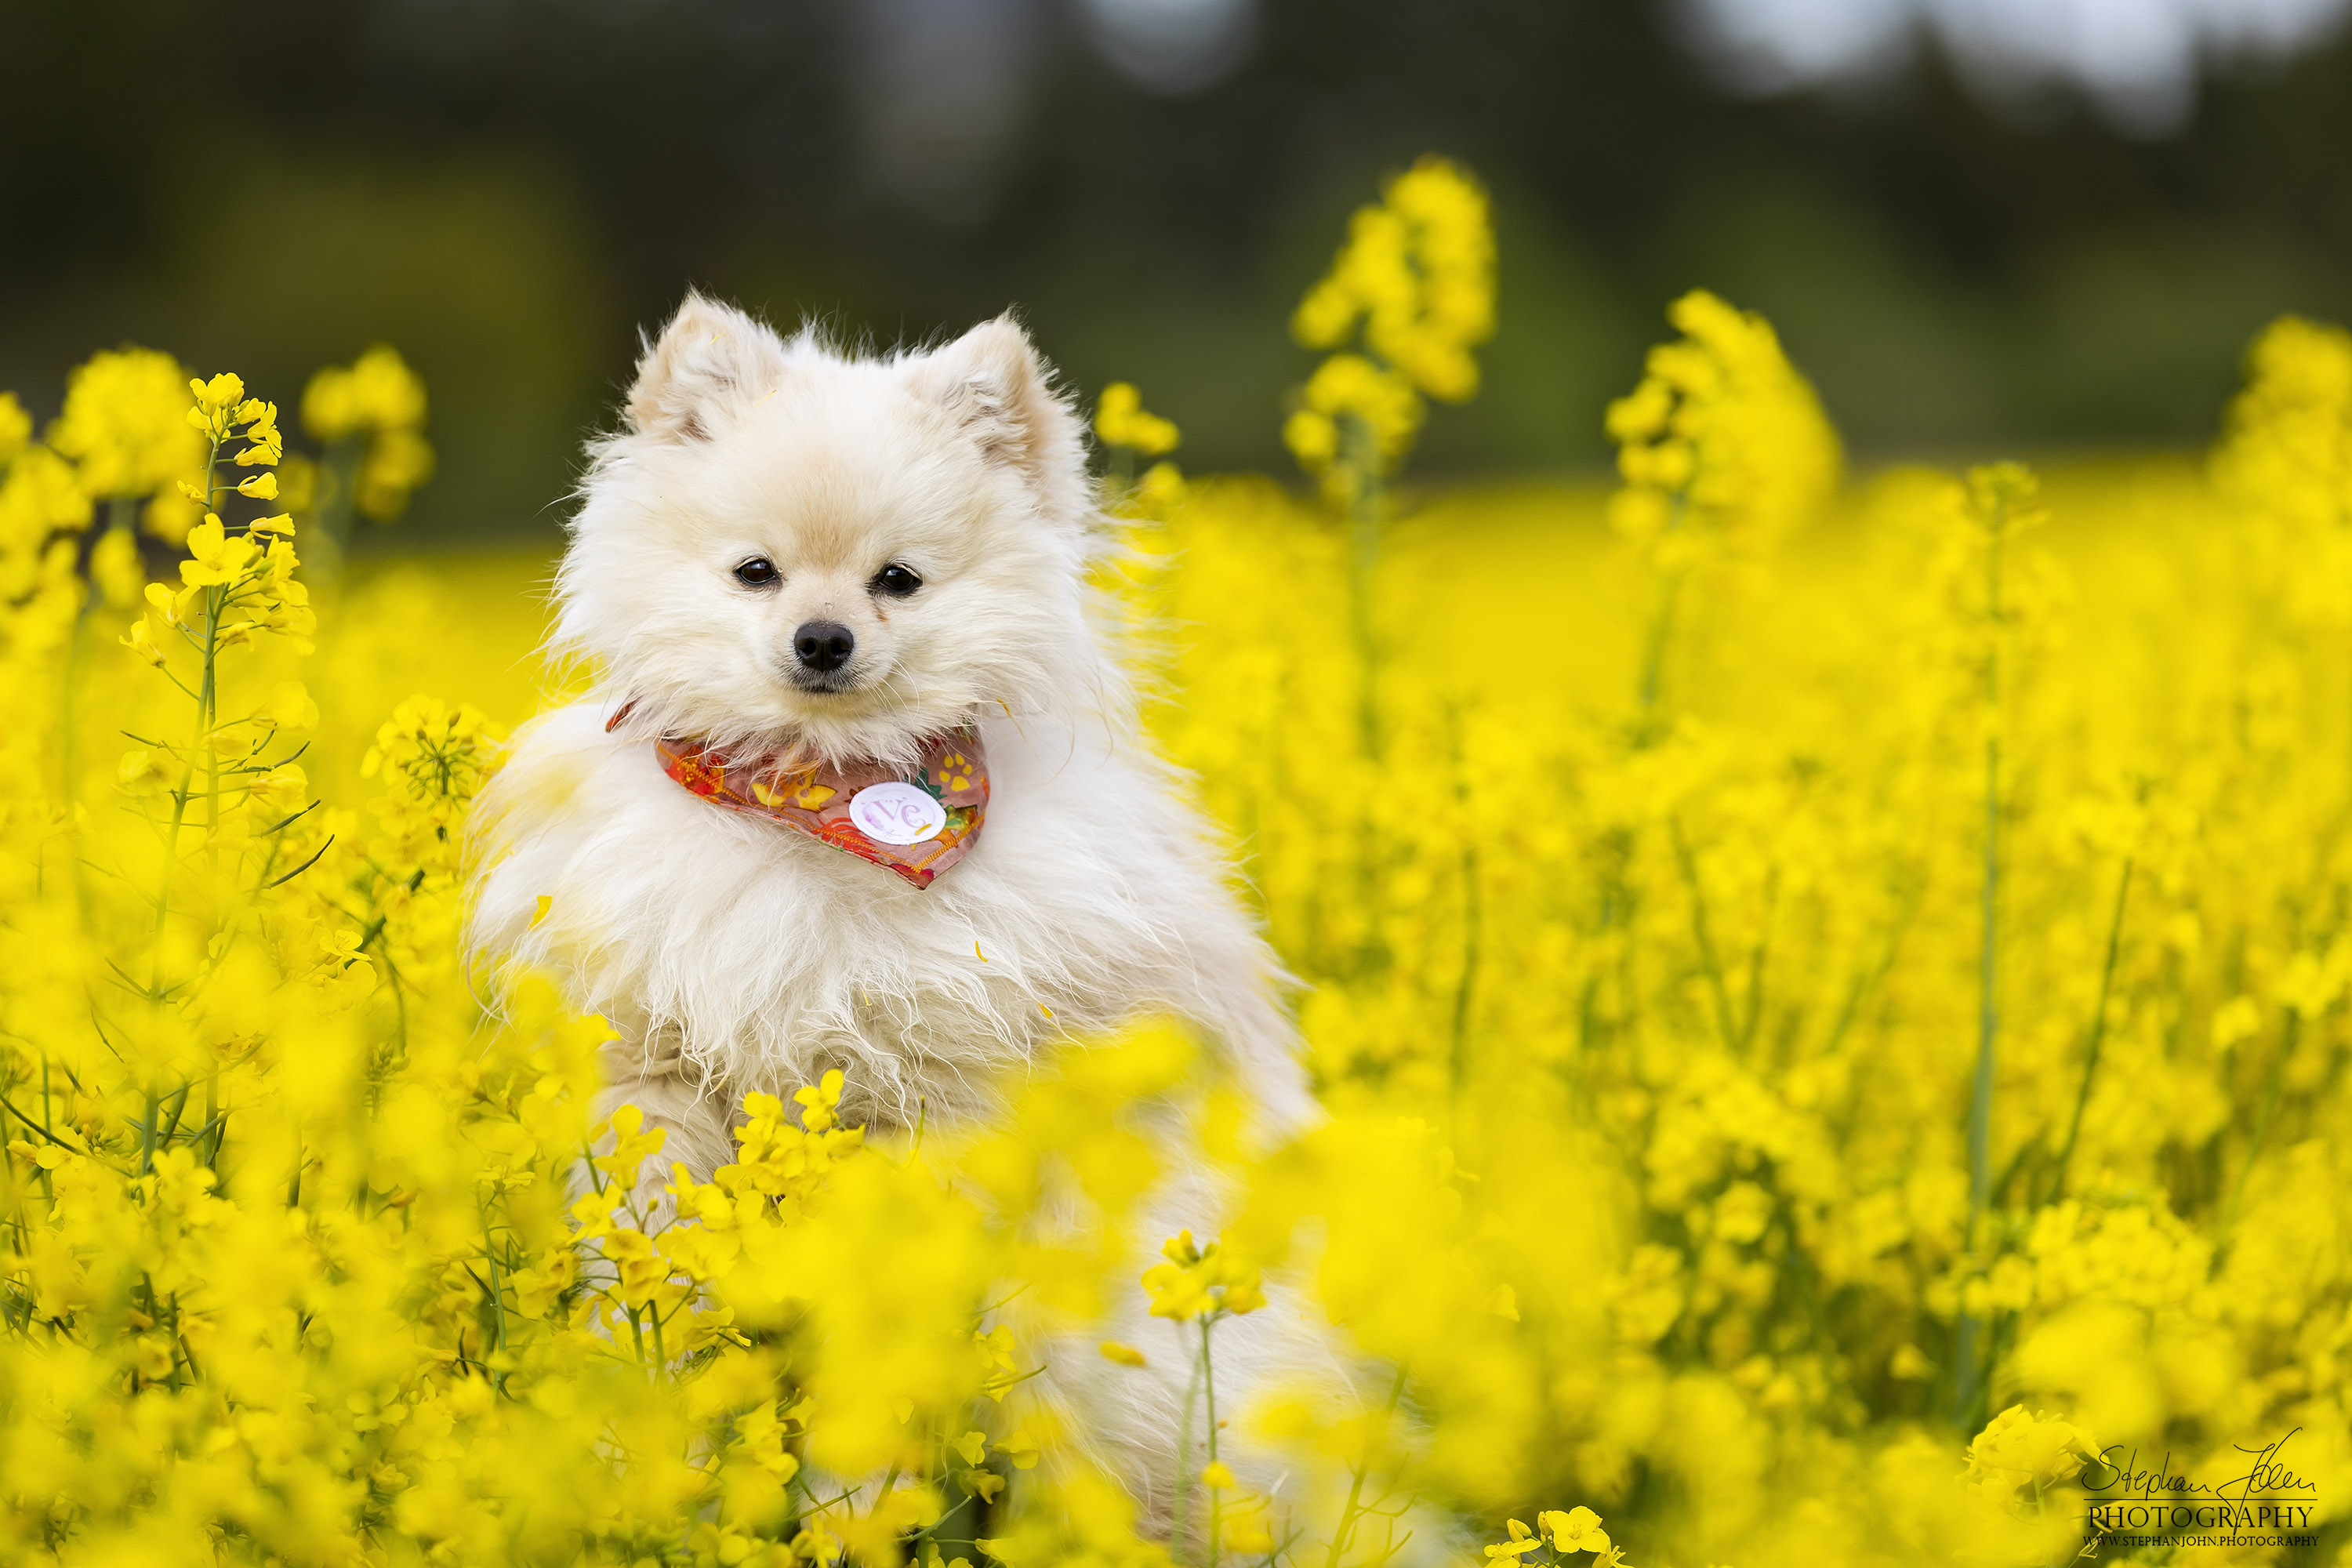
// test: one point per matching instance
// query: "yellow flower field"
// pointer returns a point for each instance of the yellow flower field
(1831, 992)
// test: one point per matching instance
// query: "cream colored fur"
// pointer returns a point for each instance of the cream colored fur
(732, 954)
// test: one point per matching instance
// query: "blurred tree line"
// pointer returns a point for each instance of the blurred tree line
(507, 189)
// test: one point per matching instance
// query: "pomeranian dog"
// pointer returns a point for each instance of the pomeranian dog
(861, 785)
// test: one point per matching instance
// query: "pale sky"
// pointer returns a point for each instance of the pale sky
(2137, 58)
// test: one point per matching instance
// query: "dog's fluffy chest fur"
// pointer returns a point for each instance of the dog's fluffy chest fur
(763, 957)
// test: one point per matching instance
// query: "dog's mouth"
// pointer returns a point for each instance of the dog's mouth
(855, 674)
(829, 682)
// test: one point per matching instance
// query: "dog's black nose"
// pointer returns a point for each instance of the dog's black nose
(824, 645)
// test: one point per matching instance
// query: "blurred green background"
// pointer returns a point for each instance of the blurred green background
(508, 189)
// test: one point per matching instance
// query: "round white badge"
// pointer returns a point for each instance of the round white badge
(897, 813)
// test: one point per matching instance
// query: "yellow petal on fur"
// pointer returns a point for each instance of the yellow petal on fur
(546, 902)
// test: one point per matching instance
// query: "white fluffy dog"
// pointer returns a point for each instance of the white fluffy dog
(789, 552)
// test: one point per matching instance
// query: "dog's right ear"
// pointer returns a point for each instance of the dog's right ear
(709, 356)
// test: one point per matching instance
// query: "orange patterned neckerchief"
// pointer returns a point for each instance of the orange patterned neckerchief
(917, 823)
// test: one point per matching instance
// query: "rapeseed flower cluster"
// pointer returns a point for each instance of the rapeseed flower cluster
(1132, 435)
(1410, 295)
(1723, 442)
(1723, 447)
(2286, 464)
(369, 415)
(1832, 1106)
(1558, 1533)
(123, 431)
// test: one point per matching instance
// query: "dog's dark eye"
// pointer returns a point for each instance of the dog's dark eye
(756, 573)
(896, 581)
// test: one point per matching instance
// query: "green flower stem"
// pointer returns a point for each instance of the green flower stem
(1184, 1455)
(1209, 1389)
(2098, 1033)
(1354, 1507)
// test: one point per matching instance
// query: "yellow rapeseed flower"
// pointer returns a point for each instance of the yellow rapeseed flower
(1121, 420)
(1577, 1530)
(1199, 1282)
(124, 426)
(1723, 441)
(372, 412)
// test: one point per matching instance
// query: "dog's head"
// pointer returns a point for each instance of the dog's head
(789, 545)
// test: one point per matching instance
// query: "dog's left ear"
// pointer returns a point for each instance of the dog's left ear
(992, 385)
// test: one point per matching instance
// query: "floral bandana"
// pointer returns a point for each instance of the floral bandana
(917, 823)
